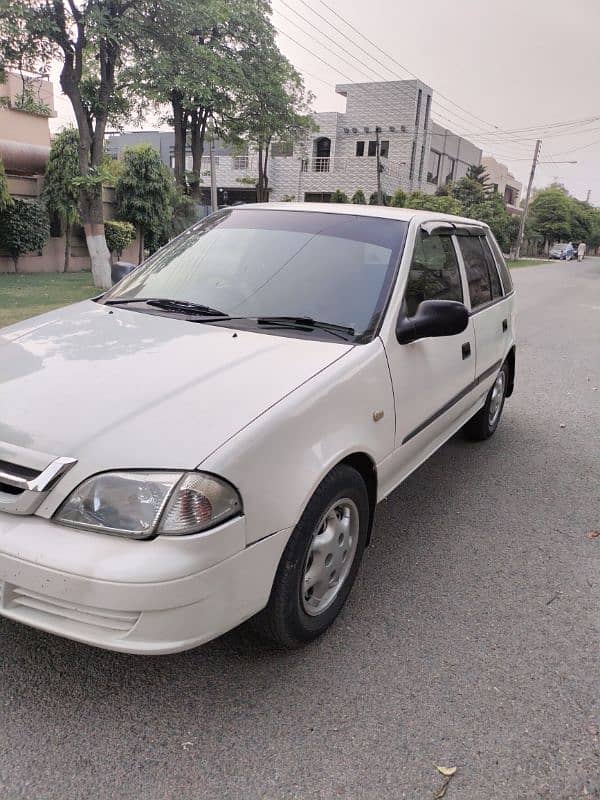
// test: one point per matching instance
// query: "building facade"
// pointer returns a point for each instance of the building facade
(505, 183)
(342, 152)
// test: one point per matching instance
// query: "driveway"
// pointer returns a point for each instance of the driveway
(471, 638)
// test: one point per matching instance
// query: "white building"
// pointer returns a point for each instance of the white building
(415, 153)
(504, 182)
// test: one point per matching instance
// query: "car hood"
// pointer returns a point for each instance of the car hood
(116, 388)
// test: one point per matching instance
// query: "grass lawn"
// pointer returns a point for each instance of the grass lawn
(526, 262)
(23, 296)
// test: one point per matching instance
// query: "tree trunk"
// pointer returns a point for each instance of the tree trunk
(16, 262)
(92, 214)
(140, 245)
(68, 231)
(180, 129)
(198, 120)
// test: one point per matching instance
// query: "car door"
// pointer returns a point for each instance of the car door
(490, 310)
(432, 377)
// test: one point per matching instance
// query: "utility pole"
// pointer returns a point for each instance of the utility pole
(213, 172)
(536, 155)
(589, 194)
(379, 167)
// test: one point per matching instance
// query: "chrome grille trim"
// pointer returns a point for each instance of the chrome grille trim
(30, 491)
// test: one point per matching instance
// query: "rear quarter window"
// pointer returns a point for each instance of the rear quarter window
(502, 268)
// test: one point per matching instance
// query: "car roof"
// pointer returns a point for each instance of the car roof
(384, 212)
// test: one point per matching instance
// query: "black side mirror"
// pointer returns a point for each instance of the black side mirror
(433, 318)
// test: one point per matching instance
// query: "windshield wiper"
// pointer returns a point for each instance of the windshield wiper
(180, 306)
(304, 323)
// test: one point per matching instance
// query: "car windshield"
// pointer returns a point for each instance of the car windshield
(335, 268)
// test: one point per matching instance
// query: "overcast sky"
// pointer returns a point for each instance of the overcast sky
(512, 63)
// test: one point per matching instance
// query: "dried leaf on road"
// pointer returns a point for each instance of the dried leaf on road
(593, 534)
(447, 772)
(441, 792)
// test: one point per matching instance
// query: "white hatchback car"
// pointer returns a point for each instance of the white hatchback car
(207, 441)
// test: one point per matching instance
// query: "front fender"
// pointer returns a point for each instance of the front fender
(279, 459)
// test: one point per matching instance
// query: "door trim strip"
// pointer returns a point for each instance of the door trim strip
(447, 406)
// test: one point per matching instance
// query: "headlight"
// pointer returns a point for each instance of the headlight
(144, 504)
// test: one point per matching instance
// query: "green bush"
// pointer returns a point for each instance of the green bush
(358, 198)
(399, 199)
(339, 197)
(119, 235)
(24, 228)
(5, 198)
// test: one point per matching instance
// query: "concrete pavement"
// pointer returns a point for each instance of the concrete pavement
(471, 638)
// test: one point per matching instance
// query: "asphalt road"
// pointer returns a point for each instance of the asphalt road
(471, 638)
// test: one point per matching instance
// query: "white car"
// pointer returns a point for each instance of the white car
(208, 440)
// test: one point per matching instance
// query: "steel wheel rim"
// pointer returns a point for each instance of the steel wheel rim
(497, 397)
(330, 556)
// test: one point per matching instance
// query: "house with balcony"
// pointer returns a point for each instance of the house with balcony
(505, 183)
(392, 116)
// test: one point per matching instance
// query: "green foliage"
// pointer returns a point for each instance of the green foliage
(339, 197)
(185, 213)
(119, 235)
(431, 202)
(478, 173)
(60, 191)
(24, 228)
(469, 192)
(29, 101)
(493, 211)
(288, 198)
(358, 198)
(551, 215)
(373, 199)
(5, 198)
(399, 199)
(145, 192)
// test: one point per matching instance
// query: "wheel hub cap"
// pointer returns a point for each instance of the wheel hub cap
(497, 397)
(330, 556)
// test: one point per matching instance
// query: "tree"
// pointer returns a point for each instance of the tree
(60, 191)
(339, 197)
(581, 220)
(144, 193)
(374, 199)
(493, 212)
(358, 198)
(431, 202)
(119, 235)
(478, 172)
(469, 192)
(93, 39)
(273, 105)
(24, 228)
(5, 198)
(399, 199)
(551, 215)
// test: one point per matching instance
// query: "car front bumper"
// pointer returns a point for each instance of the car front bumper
(154, 597)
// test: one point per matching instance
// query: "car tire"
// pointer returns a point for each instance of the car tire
(336, 520)
(484, 423)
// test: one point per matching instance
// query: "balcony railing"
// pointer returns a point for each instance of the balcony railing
(342, 163)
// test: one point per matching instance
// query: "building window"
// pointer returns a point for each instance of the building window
(317, 197)
(421, 163)
(418, 114)
(450, 167)
(360, 148)
(240, 162)
(510, 195)
(433, 173)
(373, 148)
(282, 149)
(413, 155)
(384, 148)
(427, 111)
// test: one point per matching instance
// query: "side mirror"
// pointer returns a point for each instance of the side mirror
(433, 318)
(120, 269)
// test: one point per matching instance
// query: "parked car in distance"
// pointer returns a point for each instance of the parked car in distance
(564, 252)
(207, 441)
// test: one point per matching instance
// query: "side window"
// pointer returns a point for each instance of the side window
(502, 268)
(434, 273)
(492, 270)
(480, 290)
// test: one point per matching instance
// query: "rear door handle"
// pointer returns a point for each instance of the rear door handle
(466, 350)
(504, 325)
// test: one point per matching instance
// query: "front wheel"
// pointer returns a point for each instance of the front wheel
(320, 561)
(485, 422)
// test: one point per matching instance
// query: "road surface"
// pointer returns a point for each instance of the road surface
(471, 638)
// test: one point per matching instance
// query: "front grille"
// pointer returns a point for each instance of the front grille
(31, 606)
(15, 471)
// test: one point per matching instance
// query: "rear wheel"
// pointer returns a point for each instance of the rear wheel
(320, 561)
(484, 423)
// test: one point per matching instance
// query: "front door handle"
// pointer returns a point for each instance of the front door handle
(466, 350)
